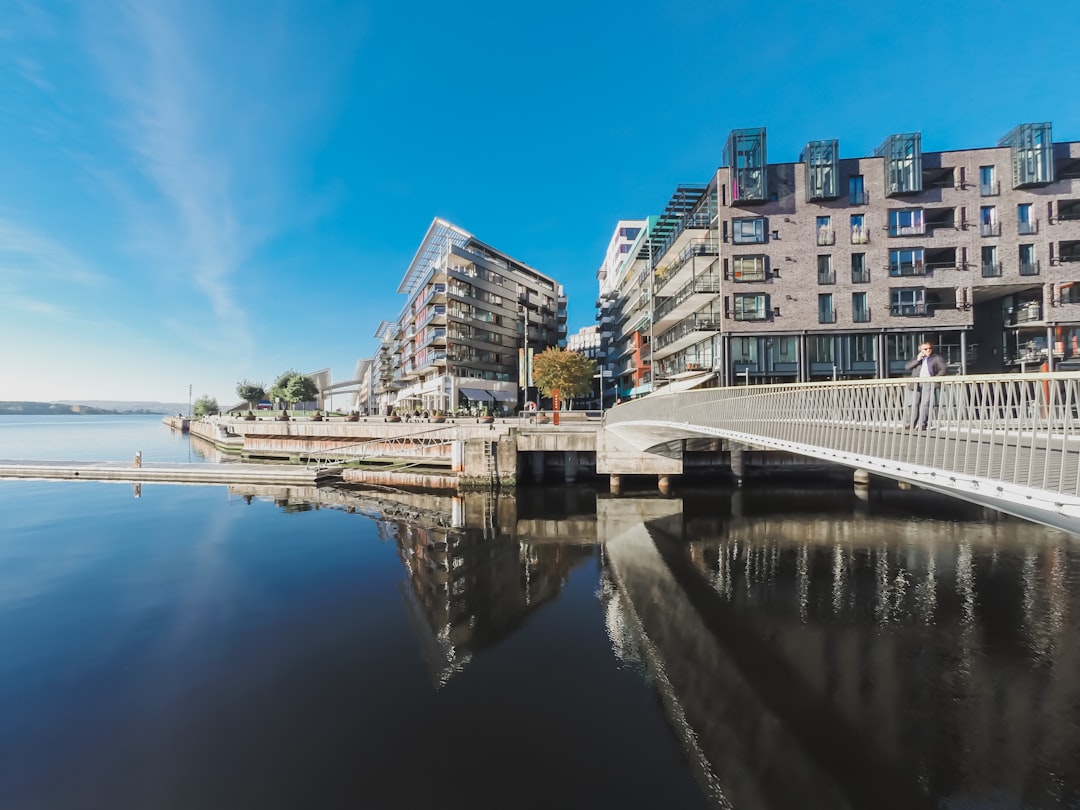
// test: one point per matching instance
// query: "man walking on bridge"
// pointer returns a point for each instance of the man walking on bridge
(927, 365)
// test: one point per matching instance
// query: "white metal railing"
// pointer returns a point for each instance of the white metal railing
(417, 445)
(1004, 437)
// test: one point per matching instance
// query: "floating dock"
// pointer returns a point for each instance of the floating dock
(167, 473)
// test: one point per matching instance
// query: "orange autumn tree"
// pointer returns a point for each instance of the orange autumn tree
(567, 373)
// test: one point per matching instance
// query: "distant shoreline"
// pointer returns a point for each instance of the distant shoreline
(64, 409)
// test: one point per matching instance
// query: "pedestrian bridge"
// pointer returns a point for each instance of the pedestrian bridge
(1008, 441)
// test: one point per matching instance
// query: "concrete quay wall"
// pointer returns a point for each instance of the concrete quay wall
(466, 452)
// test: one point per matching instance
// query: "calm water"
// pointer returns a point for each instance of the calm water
(206, 647)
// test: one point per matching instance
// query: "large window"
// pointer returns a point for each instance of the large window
(906, 262)
(907, 301)
(860, 272)
(857, 190)
(1025, 222)
(988, 222)
(863, 348)
(1029, 266)
(860, 310)
(748, 268)
(825, 274)
(820, 348)
(988, 184)
(906, 222)
(825, 235)
(750, 306)
(825, 310)
(744, 350)
(859, 234)
(991, 268)
(748, 231)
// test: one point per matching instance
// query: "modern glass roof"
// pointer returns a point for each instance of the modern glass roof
(437, 243)
(682, 203)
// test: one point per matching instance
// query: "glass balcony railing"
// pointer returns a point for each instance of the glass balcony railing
(698, 286)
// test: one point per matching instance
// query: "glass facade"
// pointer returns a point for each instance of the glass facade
(745, 154)
(1032, 154)
(822, 163)
(903, 163)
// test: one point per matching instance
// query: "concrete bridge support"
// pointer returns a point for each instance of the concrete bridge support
(570, 466)
(738, 463)
(536, 465)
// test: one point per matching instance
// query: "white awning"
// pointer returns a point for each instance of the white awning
(686, 383)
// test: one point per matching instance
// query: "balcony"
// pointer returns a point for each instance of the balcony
(826, 236)
(915, 229)
(689, 298)
(1029, 268)
(992, 189)
(909, 310)
(991, 269)
(826, 276)
(826, 316)
(860, 235)
(1029, 312)
(685, 333)
(1068, 210)
(697, 247)
(989, 229)
(859, 197)
(1069, 251)
(907, 269)
(1025, 228)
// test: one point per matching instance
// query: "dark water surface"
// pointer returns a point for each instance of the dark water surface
(226, 647)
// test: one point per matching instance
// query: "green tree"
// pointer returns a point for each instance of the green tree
(205, 406)
(293, 387)
(569, 372)
(251, 392)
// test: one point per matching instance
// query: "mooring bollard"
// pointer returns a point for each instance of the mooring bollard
(138, 459)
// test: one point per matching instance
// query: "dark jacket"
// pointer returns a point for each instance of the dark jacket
(937, 365)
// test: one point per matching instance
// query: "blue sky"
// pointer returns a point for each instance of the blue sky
(198, 192)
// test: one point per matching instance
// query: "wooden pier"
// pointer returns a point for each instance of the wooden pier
(167, 473)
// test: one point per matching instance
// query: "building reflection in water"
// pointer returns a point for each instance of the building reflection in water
(813, 652)
(811, 649)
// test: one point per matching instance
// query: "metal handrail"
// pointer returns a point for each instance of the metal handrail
(1011, 439)
(384, 447)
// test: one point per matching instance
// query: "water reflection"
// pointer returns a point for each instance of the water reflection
(815, 655)
(811, 648)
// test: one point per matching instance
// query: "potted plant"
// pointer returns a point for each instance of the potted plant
(317, 417)
(485, 416)
(438, 417)
(354, 416)
(393, 417)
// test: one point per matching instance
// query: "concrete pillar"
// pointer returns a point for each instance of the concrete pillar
(963, 352)
(738, 463)
(570, 463)
(861, 479)
(614, 483)
(536, 460)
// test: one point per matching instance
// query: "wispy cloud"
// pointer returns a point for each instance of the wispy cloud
(25, 250)
(166, 90)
